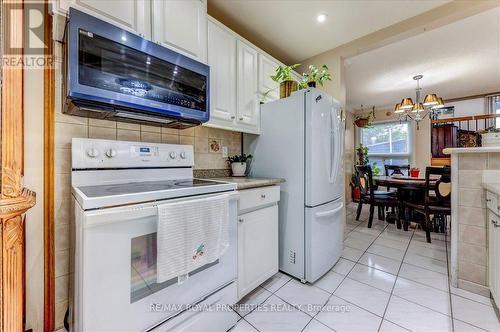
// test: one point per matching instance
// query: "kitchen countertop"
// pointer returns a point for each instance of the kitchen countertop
(482, 149)
(493, 187)
(249, 182)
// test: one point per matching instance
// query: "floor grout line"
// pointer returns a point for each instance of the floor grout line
(393, 286)
(449, 286)
(345, 277)
(411, 247)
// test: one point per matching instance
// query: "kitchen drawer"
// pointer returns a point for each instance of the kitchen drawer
(251, 199)
(492, 202)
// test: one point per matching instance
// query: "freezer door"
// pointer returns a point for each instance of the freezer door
(324, 238)
(324, 149)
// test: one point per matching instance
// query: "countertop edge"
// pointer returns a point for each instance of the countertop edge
(493, 187)
(249, 183)
(484, 149)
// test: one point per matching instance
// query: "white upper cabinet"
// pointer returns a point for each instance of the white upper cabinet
(131, 15)
(222, 62)
(182, 26)
(247, 100)
(268, 89)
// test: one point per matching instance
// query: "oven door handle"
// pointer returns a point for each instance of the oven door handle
(127, 213)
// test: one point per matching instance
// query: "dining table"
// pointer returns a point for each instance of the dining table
(407, 187)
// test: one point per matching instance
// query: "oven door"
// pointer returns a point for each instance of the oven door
(115, 271)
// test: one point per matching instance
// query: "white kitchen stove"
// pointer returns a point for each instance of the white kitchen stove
(116, 188)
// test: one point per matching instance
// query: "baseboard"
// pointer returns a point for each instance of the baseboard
(473, 287)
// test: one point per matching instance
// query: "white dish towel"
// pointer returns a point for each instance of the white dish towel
(190, 234)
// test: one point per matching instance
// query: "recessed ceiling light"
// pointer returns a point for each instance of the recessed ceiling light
(321, 17)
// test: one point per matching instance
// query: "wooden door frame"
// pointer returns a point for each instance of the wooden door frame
(48, 181)
(14, 199)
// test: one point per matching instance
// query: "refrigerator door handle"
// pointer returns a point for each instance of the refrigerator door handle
(329, 213)
(334, 151)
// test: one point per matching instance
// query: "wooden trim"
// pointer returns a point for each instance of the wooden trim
(14, 200)
(467, 118)
(12, 135)
(483, 95)
(48, 181)
(486, 116)
(461, 118)
(440, 161)
(12, 246)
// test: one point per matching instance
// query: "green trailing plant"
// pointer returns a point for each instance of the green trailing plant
(362, 155)
(315, 75)
(239, 158)
(362, 159)
(489, 130)
(375, 169)
(284, 73)
(365, 120)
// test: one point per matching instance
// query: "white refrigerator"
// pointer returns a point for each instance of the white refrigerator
(302, 141)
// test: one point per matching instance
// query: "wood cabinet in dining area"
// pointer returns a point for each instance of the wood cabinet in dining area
(443, 136)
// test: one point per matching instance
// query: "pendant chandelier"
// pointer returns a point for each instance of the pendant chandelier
(417, 111)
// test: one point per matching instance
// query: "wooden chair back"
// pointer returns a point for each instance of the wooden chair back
(396, 169)
(442, 187)
(365, 180)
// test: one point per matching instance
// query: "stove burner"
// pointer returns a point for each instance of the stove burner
(142, 187)
(194, 183)
(139, 187)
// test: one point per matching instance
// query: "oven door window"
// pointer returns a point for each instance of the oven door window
(108, 65)
(143, 268)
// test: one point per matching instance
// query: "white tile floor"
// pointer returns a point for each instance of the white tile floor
(386, 280)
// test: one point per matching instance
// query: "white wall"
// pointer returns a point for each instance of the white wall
(33, 179)
(469, 107)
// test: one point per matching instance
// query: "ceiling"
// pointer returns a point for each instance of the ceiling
(459, 59)
(288, 29)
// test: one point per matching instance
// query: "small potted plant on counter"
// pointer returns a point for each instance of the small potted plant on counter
(284, 77)
(414, 172)
(239, 164)
(315, 76)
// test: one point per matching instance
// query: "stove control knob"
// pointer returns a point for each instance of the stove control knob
(173, 155)
(183, 155)
(92, 152)
(110, 153)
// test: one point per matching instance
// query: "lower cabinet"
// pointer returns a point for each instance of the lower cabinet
(494, 255)
(257, 237)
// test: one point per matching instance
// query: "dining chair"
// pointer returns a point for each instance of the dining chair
(437, 198)
(369, 194)
(396, 169)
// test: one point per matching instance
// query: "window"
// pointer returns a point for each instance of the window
(495, 108)
(388, 143)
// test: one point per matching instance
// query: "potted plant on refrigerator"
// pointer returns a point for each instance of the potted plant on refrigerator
(239, 163)
(315, 76)
(284, 77)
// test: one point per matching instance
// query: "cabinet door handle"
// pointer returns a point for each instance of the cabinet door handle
(241, 119)
(233, 117)
(488, 199)
(240, 219)
(495, 223)
(263, 196)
